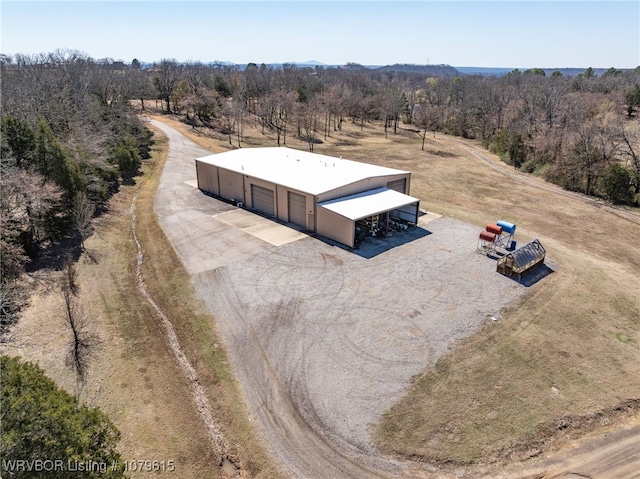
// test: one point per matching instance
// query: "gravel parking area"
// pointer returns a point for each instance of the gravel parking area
(325, 339)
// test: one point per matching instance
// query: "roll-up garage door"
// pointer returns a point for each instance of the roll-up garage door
(398, 185)
(297, 209)
(262, 199)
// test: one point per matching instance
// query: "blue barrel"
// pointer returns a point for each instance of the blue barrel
(509, 228)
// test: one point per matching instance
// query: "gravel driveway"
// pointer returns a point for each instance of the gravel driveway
(323, 340)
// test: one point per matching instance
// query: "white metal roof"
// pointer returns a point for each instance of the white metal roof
(299, 170)
(368, 203)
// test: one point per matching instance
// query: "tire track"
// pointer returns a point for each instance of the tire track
(197, 392)
(629, 215)
(307, 447)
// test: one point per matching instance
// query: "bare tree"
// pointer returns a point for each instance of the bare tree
(425, 117)
(140, 83)
(26, 204)
(308, 114)
(629, 137)
(392, 104)
(284, 107)
(238, 107)
(167, 75)
(194, 73)
(83, 343)
(228, 119)
(81, 215)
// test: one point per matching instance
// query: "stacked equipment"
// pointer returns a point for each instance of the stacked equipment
(499, 235)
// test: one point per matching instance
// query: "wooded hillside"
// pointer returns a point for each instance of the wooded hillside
(69, 136)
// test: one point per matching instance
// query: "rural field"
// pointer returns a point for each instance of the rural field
(559, 365)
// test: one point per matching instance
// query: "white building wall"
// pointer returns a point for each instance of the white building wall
(207, 178)
(231, 185)
(334, 226)
(363, 185)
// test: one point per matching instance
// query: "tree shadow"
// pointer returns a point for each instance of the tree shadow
(442, 154)
(54, 255)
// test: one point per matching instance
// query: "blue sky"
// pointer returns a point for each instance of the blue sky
(513, 33)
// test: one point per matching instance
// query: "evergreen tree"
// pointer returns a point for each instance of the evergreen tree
(41, 422)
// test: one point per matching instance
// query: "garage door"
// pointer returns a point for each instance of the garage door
(262, 199)
(297, 209)
(398, 185)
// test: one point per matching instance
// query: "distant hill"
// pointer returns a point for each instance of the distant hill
(435, 70)
(484, 71)
(569, 72)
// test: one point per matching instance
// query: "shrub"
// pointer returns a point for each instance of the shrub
(125, 154)
(617, 184)
(41, 422)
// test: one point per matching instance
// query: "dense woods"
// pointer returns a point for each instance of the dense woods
(69, 136)
(70, 133)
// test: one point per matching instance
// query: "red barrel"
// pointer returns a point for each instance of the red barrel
(494, 229)
(486, 236)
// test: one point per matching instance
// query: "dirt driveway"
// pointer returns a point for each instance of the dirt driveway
(324, 340)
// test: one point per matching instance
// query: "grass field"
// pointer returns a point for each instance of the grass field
(561, 362)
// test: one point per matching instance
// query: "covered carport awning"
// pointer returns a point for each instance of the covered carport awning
(369, 203)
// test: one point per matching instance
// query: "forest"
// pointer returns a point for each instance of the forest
(71, 131)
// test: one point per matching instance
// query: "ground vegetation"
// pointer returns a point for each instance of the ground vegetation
(70, 139)
(556, 365)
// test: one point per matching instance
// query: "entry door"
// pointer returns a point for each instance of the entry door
(297, 209)
(262, 200)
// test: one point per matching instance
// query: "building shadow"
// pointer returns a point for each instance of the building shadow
(529, 278)
(371, 246)
(533, 276)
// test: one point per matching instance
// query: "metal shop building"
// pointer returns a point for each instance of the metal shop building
(333, 197)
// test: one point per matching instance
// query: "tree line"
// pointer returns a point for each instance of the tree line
(69, 136)
(580, 132)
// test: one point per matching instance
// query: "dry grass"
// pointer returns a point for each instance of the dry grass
(170, 286)
(566, 353)
(565, 358)
(135, 378)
